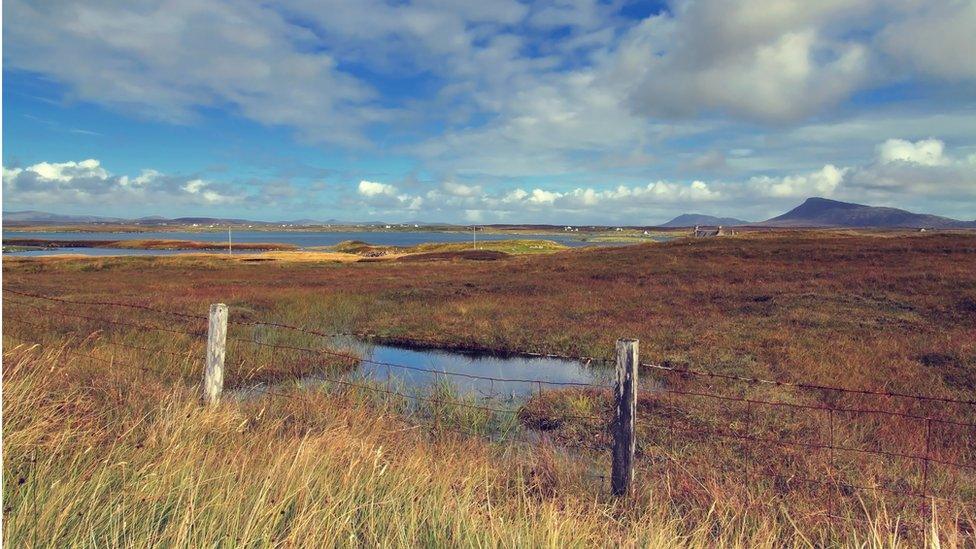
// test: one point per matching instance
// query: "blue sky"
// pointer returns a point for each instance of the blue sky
(549, 112)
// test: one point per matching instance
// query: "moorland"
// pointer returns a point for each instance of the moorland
(106, 441)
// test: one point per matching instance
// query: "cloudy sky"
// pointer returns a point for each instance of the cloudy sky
(570, 111)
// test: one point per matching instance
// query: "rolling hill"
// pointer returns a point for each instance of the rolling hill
(691, 220)
(26, 217)
(823, 212)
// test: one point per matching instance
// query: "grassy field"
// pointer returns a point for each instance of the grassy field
(343, 252)
(137, 461)
(511, 247)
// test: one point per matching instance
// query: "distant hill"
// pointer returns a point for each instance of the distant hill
(691, 220)
(823, 212)
(35, 217)
(814, 212)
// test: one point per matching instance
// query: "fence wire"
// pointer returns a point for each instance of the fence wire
(925, 459)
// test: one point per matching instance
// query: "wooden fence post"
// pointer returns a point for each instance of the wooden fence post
(624, 439)
(213, 374)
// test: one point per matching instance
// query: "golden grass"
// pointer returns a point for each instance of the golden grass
(514, 247)
(883, 313)
(120, 459)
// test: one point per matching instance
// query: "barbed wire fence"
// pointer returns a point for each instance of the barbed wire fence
(647, 418)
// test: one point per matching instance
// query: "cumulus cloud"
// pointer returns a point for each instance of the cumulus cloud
(783, 60)
(922, 168)
(900, 171)
(926, 152)
(63, 171)
(618, 202)
(371, 188)
(915, 174)
(384, 195)
(686, 72)
(500, 93)
(822, 182)
(54, 185)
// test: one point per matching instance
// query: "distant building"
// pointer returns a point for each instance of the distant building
(707, 232)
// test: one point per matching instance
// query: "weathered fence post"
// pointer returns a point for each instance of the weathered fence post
(213, 374)
(624, 439)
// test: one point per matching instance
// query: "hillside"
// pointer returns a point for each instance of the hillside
(27, 217)
(823, 212)
(692, 219)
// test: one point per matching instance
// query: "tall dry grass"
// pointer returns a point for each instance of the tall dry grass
(878, 313)
(122, 458)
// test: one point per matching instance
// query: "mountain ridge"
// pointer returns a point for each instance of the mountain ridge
(824, 212)
(693, 219)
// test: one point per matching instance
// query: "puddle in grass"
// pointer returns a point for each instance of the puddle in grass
(420, 370)
(508, 395)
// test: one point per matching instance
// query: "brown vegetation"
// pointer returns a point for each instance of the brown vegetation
(895, 314)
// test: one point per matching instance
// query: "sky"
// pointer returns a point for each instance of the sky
(467, 111)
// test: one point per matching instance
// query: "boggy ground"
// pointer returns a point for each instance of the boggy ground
(895, 314)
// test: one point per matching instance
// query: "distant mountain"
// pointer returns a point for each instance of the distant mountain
(814, 212)
(34, 217)
(691, 220)
(823, 212)
(211, 221)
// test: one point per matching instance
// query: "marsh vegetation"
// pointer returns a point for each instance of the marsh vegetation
(113, 448)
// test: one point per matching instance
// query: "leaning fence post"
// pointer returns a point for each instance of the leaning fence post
(624, 439)
(213, 374)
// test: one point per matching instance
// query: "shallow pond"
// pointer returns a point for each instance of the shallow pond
(514, 377)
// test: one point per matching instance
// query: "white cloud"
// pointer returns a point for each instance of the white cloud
(167, 60)
(773, 81)
(926, 152)
(520, 204)
(759, 59)
(460, 189)
(819, 183)
(539, 196)
(66, 171)
(384, 195)
(143, 178)
(899, 172)
(371, 188)
(56, 185)
(920, 175)
(923, 169)
(194, 186)
(503, 93)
